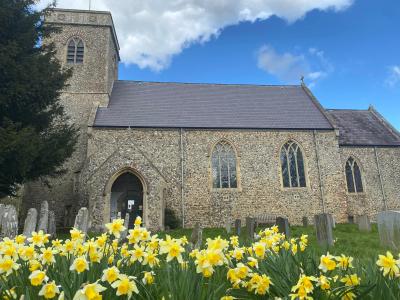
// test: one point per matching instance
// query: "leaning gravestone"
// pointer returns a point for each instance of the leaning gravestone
(44, 217)
(238, 226)
(197, 236)
(82, 220)
(389, 228)
(228, 225)
(9, 222)
(323, 228)
(126, 225)
(363, 223)
(283, 226)
(250, 227)
(305, 221)
(51, 228)
(30, 222)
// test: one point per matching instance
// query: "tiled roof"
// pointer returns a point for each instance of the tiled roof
(186, 105)
(363, 128)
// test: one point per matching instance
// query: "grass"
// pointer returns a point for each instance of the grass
(348, 239)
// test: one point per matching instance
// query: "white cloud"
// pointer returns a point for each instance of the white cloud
(151, 32)
(394, 76)
(289, 67)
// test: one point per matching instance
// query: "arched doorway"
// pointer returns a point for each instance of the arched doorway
(127, 196)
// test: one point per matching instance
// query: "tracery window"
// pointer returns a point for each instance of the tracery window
(223, 160)
(75, 51)
(353, 176)
(292, 163)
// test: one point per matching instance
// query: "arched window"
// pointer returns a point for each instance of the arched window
(223, 162)
(353, 177)
(293, 174)
(75, 51)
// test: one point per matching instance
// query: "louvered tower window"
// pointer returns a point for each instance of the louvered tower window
(292, 163)
(223, 161)
(353, 176)
(75, 51)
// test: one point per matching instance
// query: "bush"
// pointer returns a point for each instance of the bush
(171, 220)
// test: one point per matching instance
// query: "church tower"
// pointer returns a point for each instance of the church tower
(86, 43)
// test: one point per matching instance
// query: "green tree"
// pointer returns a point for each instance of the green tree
(35, 137)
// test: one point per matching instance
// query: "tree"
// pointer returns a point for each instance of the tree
(35, 138)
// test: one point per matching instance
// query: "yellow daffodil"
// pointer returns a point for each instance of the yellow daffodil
(37, 277)
(116, 227)
(90, 292)
(344, 262)
(388, 264)
(148, 278)
(8, 265)
(110, 274)
(49, 290)
(327, 263)
(80, 264)
(125, 286)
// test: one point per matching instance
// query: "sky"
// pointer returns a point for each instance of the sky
(347, 50)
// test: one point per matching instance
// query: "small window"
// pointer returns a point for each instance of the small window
(223, 162)
(353, 177)
(292, 163)
(75, 51)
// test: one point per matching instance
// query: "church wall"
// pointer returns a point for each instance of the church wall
(157, 152)
(372, 200)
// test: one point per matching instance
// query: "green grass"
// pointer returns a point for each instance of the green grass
(348, 239)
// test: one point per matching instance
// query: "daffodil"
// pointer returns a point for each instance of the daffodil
(148, 278)
(8, 265)
(125, 286)
(116, 227)
(90, 292)
(344, 262)
(327, 263)
(388, 264)
(110, 274)
(37, 277)
(80, 264)
(49, 290)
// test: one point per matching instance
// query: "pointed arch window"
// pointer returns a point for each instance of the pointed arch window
(223, 161)
(75, 51)
(292, 163)
(353, 176)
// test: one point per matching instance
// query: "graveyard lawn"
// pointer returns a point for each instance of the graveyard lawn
(348, 239)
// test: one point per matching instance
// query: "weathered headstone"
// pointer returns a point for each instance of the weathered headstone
(43, 217)
(51, 228)
(9, 222)
(82, 220)
(323, 226)
(238, 226)
(363, 223)
(250, 227)
(126, 225)
(30, 222)
(197, 236)
(283, 226)
(305, 221)
(2, 207)
(119, 215)
(389, 228)
(228, 225)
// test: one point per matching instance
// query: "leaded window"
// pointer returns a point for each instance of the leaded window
(223, 162)
(353, 177)
(75, 51)
(292, 162)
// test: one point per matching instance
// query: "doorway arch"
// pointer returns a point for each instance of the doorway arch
(126, 191)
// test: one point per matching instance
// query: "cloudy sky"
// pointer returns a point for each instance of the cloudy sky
(347, 50)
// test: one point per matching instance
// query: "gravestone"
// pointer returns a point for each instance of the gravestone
(228, 225)
(82, 220)
(9, 222)
(323, 226)
(363, 223)
(126, 225)
(238, 226)
(51, 228)
(2, 207)
(250, 227)
(283, 226)
(30, 222)
(44, 217)
(119, 215)
(305, 221)
(197, 237)
(389, 228)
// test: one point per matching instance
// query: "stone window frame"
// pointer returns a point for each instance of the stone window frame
(360, 167)
(75, 38)
(238, 187)
(305, 166)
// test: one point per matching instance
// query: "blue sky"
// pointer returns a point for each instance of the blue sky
(360, 47)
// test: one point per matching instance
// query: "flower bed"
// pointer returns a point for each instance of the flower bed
(147, 267)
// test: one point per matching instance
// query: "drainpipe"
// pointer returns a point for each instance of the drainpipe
(380, 180)
(182, 179)
(319, 173)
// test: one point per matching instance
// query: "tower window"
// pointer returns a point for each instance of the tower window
(353, 177)
(75, 51)
(223, 161)
(292, 163)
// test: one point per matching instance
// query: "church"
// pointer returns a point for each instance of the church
(210, 153)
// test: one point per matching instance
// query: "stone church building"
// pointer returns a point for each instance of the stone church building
(209, 152)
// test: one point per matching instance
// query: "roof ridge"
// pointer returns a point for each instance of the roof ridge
(211, 83)
(345, 109)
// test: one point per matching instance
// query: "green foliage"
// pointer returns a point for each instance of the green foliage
(35, 138)
(171, 220)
